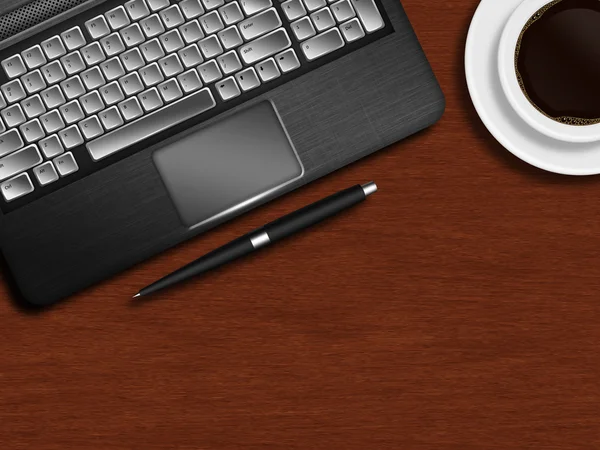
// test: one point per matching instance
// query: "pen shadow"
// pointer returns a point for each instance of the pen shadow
(501, 154)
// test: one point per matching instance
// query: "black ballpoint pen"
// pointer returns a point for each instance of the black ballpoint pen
(272, 232)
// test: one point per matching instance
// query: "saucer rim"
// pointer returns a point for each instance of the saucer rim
(496, 132)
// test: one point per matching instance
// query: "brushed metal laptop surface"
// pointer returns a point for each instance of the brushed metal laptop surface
(123, 214)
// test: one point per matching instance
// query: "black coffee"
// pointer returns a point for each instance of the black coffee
(558, 61)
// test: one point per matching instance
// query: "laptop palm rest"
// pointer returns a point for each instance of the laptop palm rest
(228, 165)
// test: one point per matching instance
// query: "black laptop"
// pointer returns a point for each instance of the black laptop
(127, 127)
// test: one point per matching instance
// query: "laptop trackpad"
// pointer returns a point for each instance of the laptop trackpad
(228, 165)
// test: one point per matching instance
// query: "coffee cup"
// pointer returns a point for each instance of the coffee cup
(569, 130)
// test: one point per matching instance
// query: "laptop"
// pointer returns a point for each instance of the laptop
(130, 126)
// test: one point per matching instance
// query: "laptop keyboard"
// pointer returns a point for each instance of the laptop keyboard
(137, 70)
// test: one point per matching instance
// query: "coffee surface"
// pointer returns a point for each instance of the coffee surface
(558, 61)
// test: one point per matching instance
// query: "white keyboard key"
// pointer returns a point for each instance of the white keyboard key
(14, 66)
(112, 93)
(93, 78)
(209, 71)
(352, 30)
(303, 29)
(265, 46)
(156, 5)
(287, 61)
(16, 187)
(231, 13)
(53, 97)
(132, 35)
(19, 161)
(189, 81)
(150, 100)
(230, 37)
(191, 31)
(171, 41)
(51, 146)
(112, 69)
(152, 50)
(151, 75)
(312, 5)
(13, 91)
(54, 47)
(117, 18)
(190, 56)
(229, 62)
(211, 22)
(71, 137)
(34, 57)
(322, 44)
(293, 9)
(131, 84)
(91, 128)
(191, 8)
(65, 164)
(73, 38)
(53, 72)
(111, 118)
(33, 82)
(32, 131)
(72, 87)
(137, 9)
(170, 91)
(71, 112)
(267, 70)
(93, 54)
(113, 44)
(10, 141)
(172, 17)
(131, 109)
(247, 79)
(33, 107)
(13, 116)
(260, 24)
(210, 47)
(369, 15)
(132, 59)
(251, 7)
(92, 103)
(45, 174)
(342, 10)
(52, 122)
(152, 26)
(322, 19)
(72, 63)
(97, 27)
(171, 65)
(212, 4)
(228, 88)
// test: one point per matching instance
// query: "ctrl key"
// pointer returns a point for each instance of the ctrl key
(16, 187)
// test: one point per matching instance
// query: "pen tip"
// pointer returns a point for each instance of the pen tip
(136, 295)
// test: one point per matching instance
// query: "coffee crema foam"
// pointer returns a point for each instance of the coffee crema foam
(557, 61)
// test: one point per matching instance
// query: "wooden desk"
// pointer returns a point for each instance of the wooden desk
(458, 308)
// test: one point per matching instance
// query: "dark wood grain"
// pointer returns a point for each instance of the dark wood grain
(457, 308)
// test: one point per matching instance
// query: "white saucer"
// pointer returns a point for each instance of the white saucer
(481, 59)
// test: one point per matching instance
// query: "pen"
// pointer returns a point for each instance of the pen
(272, 232)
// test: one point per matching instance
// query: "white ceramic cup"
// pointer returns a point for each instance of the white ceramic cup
(512, 90)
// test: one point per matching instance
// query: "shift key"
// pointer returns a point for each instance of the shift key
(265, 46)
(19, 162)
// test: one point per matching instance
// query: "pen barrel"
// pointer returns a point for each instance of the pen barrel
(314, 213)
(227, 253)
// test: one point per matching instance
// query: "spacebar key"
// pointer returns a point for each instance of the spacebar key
(151, 124)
